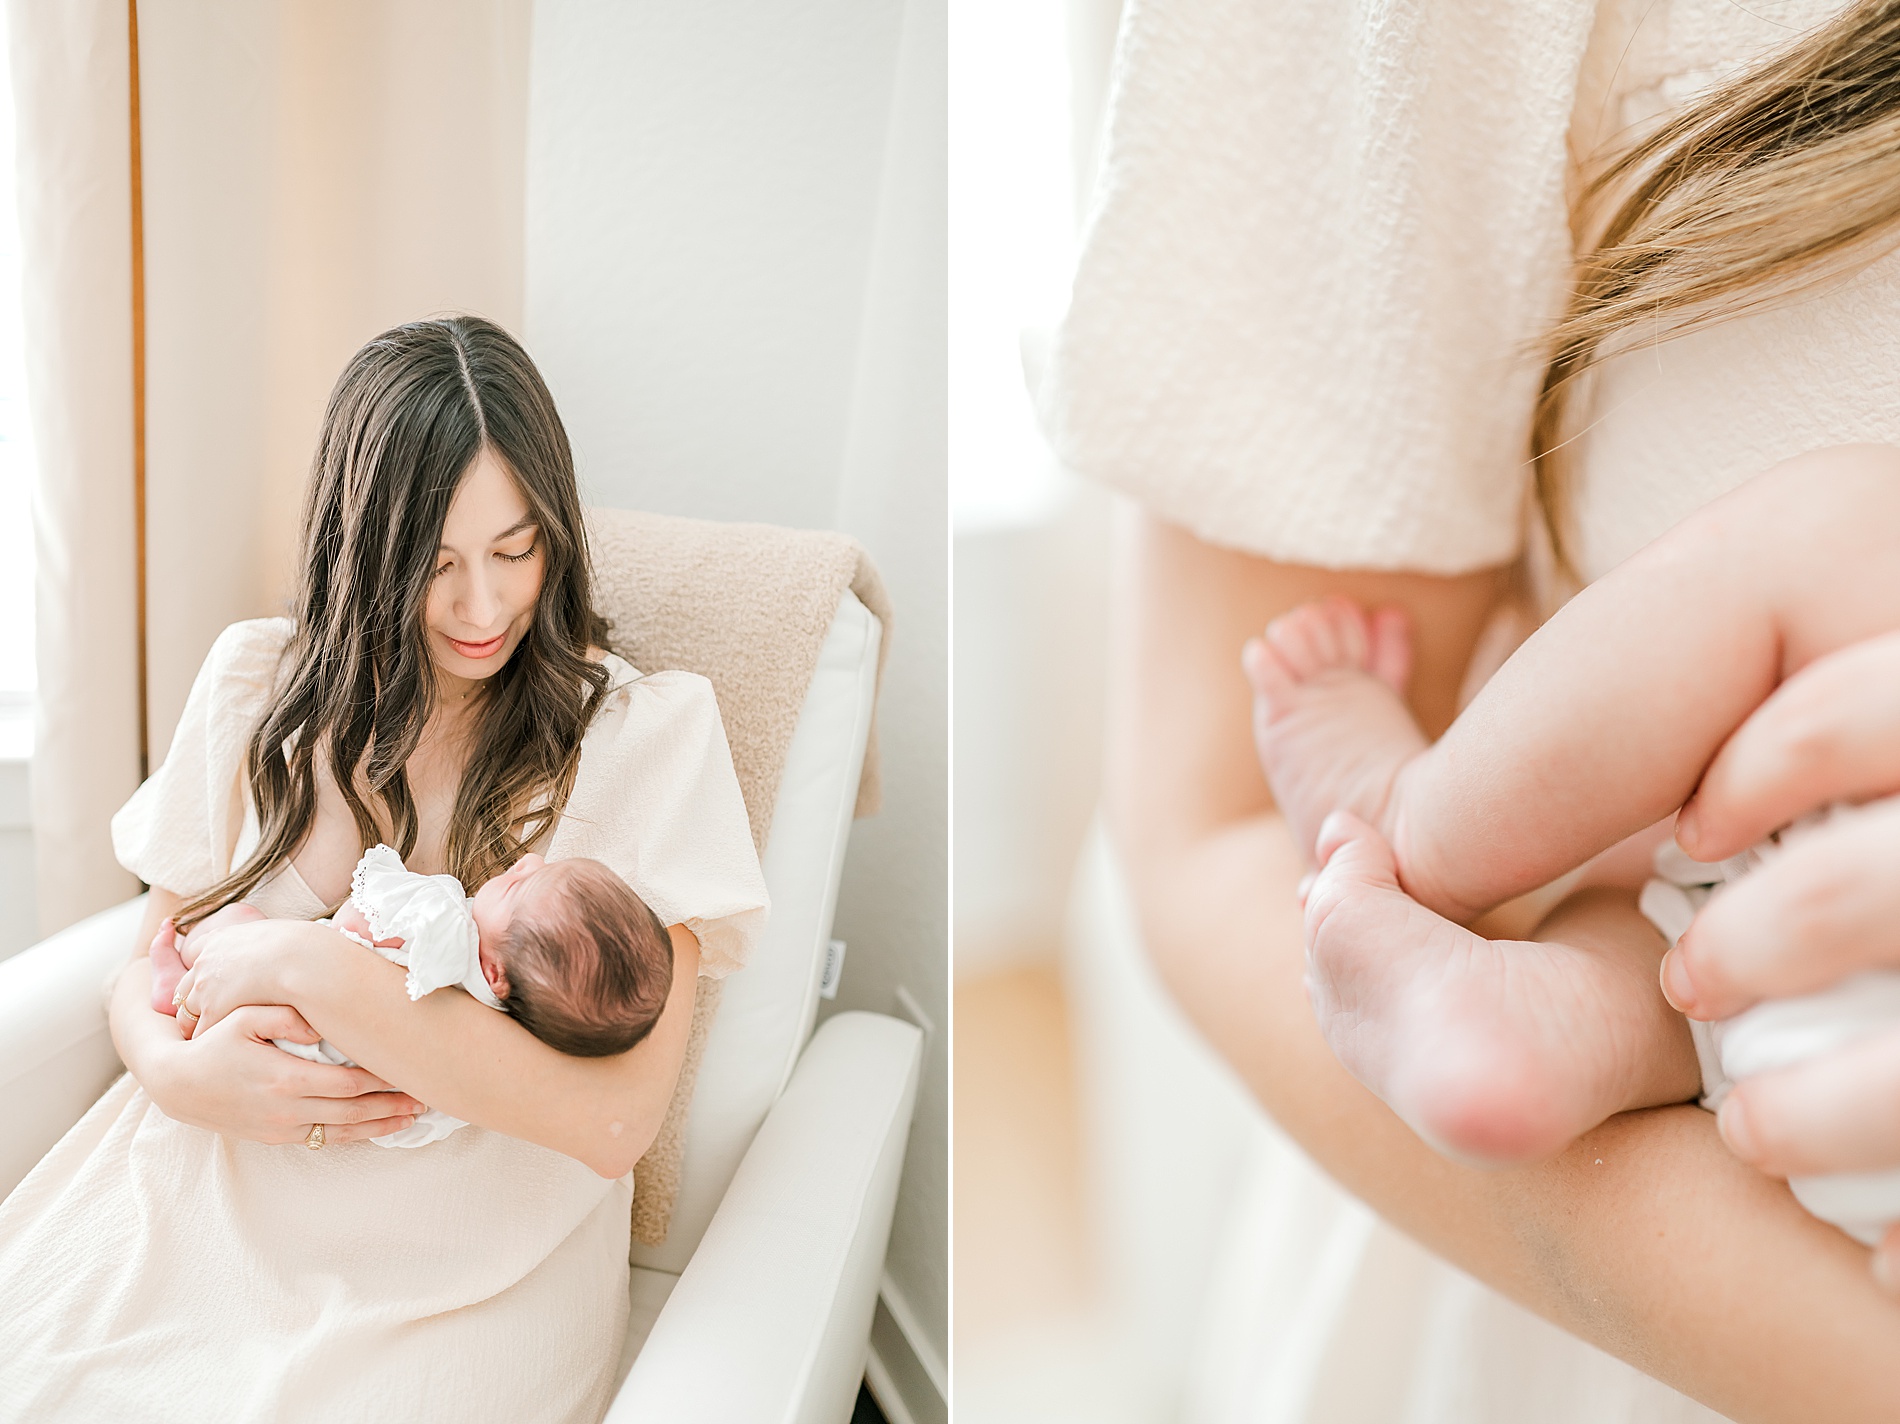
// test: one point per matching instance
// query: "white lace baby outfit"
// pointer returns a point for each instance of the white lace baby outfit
(1783, 1032)
(1320, 254)
(440, 947)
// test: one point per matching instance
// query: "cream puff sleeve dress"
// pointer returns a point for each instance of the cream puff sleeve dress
(1325, 237)
(154, 1271)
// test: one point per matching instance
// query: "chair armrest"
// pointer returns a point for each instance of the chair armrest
(56, 1054)
(770, 1320)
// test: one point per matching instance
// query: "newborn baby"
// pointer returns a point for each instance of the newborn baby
(1600, 725)
(565, 946)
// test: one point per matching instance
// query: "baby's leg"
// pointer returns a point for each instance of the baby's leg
(1603, 721)
(235, 914)
(1601, 724)
(168, 967)
(172, 954)
(1493, 1051)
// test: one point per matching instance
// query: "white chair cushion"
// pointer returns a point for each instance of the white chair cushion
(56, 1054)
(768, 1007)
(647, 1293)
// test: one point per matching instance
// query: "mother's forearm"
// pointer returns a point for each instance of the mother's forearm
(136, 1030)
(1645, 1238)
(473, 1063)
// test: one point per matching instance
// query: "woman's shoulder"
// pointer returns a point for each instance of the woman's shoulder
(653, 725)
(239, 672)
(658, 800)
(180, 826)
(249, 648)
(670, 689)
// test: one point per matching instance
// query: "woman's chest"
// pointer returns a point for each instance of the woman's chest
(1648, 58)
(1674, 421)
(335, 843)
(1671, 426)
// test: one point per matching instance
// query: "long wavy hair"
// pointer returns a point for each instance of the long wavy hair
(356, 684)
(1782, 179)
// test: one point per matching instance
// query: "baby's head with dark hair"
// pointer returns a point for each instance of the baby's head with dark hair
(584, 964)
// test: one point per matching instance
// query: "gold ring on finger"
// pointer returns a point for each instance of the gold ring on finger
(314, 1141)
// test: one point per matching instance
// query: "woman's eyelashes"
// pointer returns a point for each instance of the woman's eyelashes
(521, 558)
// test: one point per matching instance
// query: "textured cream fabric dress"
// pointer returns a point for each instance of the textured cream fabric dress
(152, 1271)
(1326, 235)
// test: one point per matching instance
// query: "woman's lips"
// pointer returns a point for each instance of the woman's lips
(478, 651)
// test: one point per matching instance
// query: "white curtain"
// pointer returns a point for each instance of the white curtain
(69, 65)
(314, 172)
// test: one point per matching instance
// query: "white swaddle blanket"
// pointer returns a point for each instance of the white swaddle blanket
(440, 947)
(1783, 1032)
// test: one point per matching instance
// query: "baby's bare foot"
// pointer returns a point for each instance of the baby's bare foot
(167, 968)
(1330, 721)
(1493, 1051)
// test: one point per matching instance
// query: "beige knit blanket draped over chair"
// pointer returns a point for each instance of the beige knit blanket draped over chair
(747, 606)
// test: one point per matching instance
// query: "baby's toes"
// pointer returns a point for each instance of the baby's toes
(1361, 853)
(1357, 873)
(1292, 639)
(1272, 680)
(1317, 636)
(1390, 656)
(1351, 637)
(1345, 933)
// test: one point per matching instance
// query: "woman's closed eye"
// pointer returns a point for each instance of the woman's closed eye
(521, 558)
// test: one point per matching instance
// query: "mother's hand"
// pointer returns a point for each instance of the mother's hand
(1827, 907)
(238, 965)
(232, 1079)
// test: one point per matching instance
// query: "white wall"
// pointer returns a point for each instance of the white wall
(702, 197)
(19, 927)
(1031, 634)
(894, 902)
(735, 280)
(1030, 546)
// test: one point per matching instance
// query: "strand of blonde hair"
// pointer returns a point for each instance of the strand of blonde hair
(1784, 178)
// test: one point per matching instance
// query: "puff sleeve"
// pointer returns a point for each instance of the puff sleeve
(180, 828)
(656, 800)
(1323, 245)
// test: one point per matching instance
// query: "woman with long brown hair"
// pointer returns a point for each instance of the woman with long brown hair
(442, 685)
(1312, 337)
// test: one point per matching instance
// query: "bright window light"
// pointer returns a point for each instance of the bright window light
(17, 679)
(1012, 245)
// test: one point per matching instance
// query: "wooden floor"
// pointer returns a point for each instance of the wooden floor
(1020, 1251)
(1029, 1344)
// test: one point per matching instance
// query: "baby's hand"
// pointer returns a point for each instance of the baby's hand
(352, 919)
(168, 967)
(357, 923)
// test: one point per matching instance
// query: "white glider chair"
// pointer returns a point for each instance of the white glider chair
(757, 1308)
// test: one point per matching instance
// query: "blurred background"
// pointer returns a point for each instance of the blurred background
(1100, 1147)
(1028, 85)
